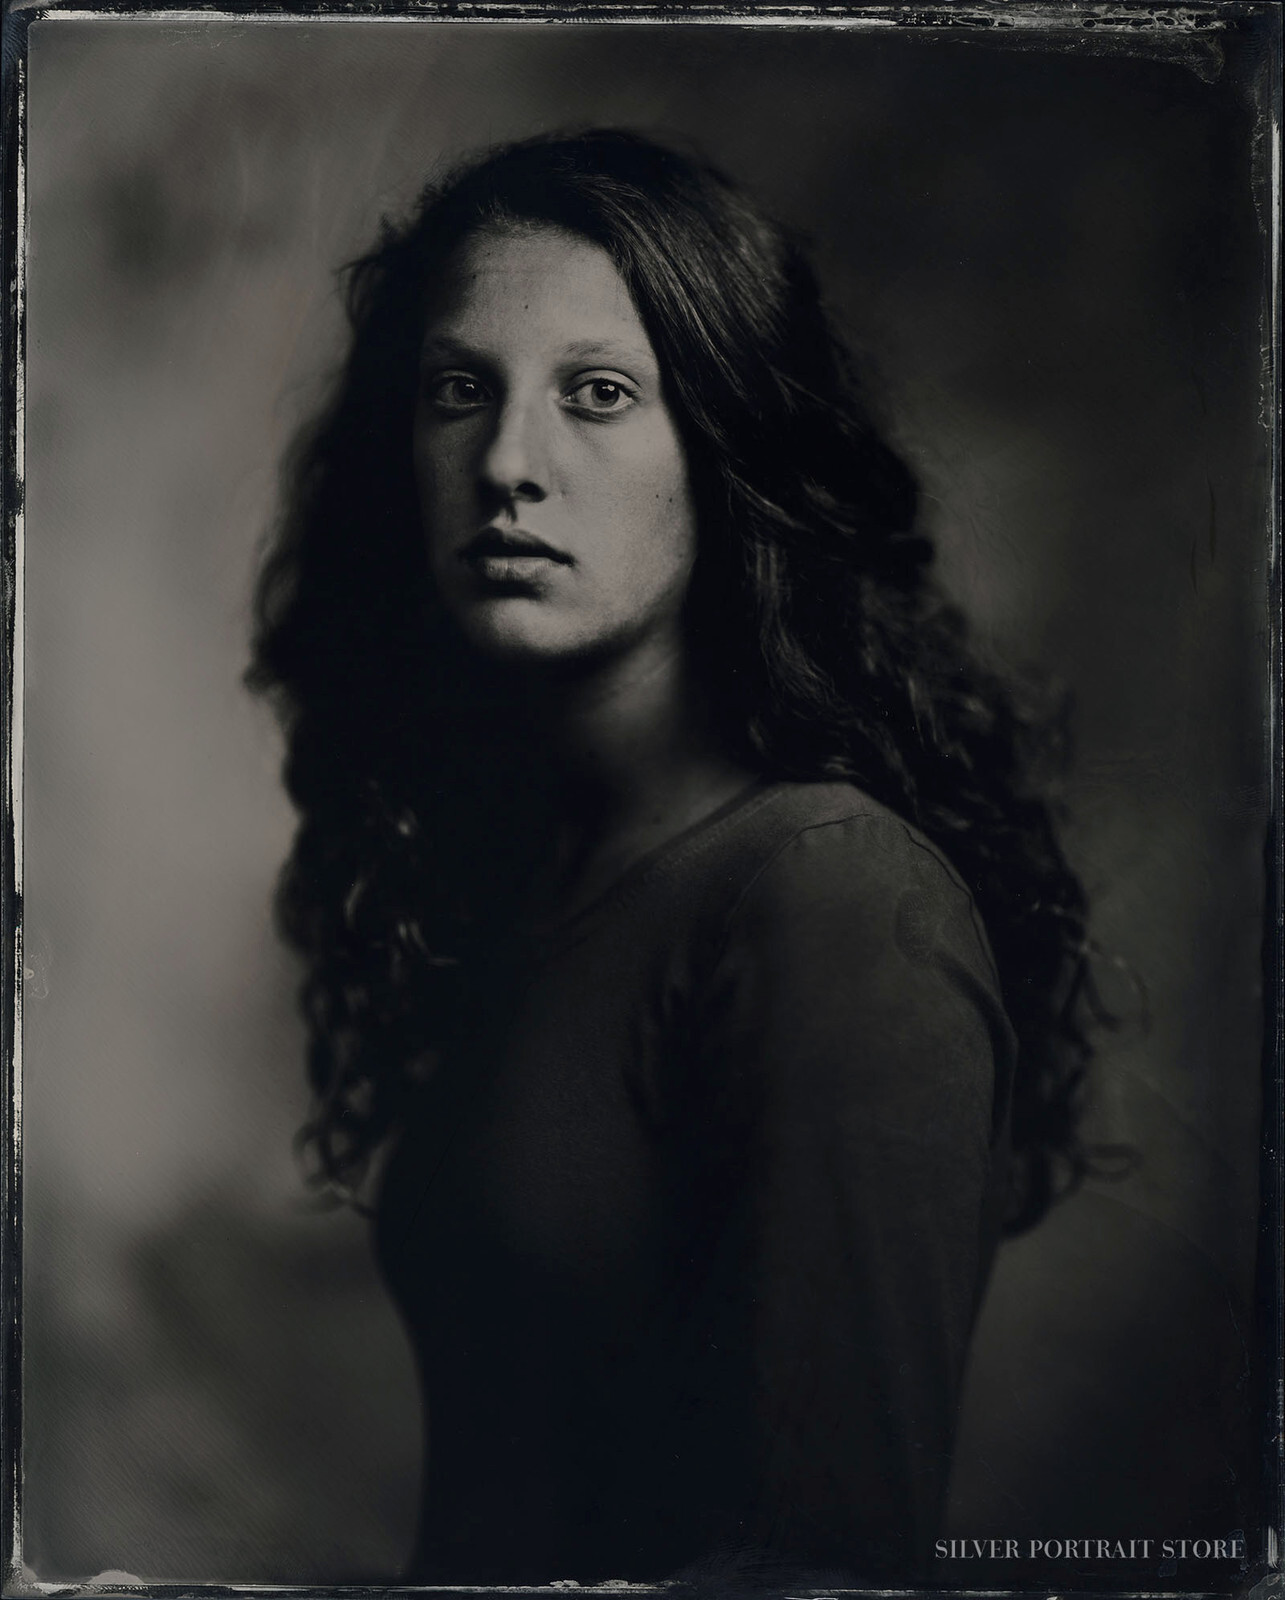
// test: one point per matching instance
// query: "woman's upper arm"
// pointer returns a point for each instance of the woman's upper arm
(855, 1024)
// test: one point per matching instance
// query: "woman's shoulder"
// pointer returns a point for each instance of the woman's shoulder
(853, 953)
(834, 835)
(827, 861)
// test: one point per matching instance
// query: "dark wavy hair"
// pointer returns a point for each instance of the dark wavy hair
(830, 650)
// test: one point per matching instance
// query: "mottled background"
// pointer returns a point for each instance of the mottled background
(1052, 257)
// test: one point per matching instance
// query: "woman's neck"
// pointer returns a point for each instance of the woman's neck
(639, 757)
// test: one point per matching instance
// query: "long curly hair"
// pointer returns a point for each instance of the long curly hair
(828, 646)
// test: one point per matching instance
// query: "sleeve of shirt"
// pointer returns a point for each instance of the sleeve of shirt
(855, 1044)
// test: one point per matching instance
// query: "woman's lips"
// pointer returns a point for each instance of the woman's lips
(510, 555)
(511, 569)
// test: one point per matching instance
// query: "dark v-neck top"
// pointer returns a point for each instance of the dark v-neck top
(690, 1240)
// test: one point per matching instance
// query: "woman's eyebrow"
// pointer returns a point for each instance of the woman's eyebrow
(609, 350)
(444, 347)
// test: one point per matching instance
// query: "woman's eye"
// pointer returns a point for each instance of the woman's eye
(601, 396)
(457, 392)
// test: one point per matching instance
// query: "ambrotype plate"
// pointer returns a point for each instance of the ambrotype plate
(1050, 236)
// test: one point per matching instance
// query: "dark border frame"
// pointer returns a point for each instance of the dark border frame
(1169, 28)
(13, 41)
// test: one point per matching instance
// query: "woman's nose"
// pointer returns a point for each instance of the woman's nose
(514, 459)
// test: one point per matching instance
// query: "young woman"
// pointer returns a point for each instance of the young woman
(687, 945)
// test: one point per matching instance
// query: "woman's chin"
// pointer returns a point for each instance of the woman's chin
(518, 629)
(526, 630)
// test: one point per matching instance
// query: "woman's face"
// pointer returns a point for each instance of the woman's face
(552, 481)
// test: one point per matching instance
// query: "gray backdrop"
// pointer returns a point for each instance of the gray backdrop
(1053, 260)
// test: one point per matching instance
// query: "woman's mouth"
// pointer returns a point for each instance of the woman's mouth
(510, 555)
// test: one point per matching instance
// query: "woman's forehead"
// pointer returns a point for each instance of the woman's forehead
(532, 286)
